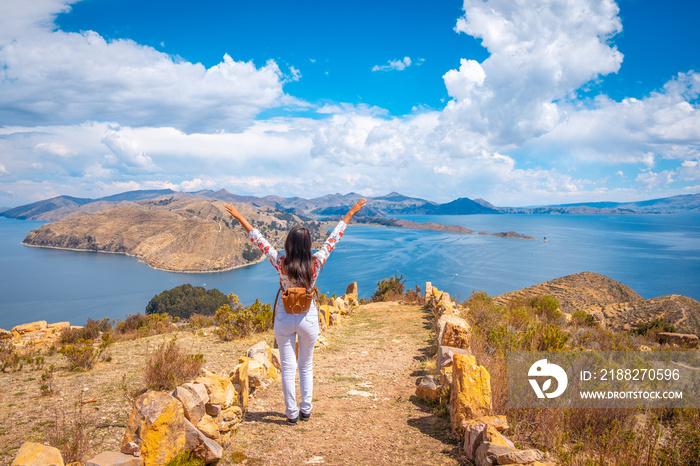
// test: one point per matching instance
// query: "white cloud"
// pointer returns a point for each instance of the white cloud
(54, 77)
(651, 181)
(99, 117)
(394, 65)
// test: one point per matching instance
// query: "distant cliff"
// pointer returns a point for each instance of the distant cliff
(183, 235)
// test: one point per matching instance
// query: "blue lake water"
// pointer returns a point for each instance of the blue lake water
(653, 254)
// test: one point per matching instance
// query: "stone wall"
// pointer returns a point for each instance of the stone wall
(460, 379)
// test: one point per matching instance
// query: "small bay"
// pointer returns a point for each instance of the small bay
(653, 254)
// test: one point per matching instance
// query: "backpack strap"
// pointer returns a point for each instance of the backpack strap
(274, 308)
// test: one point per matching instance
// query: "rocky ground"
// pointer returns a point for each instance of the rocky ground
(365, 411)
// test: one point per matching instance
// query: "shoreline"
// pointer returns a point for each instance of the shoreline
(144, 262)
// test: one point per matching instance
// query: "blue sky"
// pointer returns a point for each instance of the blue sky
(518, 103)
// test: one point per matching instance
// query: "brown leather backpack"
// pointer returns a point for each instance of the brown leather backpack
(296, 299)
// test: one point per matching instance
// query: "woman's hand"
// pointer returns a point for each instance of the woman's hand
(233, 211)
(237, 215)
(354, 209)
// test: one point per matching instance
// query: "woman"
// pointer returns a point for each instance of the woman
(297, 267)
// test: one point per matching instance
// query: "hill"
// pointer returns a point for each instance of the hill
(337, 204)
(667, 205)
(621, 306)
(184, 235)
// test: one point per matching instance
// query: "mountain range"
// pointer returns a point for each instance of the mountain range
(337, 204)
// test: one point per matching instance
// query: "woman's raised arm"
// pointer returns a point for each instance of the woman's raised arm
(353, 210)
(237, 215)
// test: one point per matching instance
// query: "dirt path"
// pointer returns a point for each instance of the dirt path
(376, 354)
(365, 411)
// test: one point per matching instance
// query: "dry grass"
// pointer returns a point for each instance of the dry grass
(169, 367)
(574, 436)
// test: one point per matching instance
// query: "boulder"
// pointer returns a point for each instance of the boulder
(228, 418)
(260, 348)
(276, 360)
(36, 454)
(351, 290)
(115, 458)
(193, 397)
(341, 306)
(474, 432)
(427, 389)
(30, 327)
(257, 373)
(200, 445)
(219, 388)
(209, 427)
(241, 382)
(678, 339)
(428, 289)
(598, 317)
(471, 392)
(445, 355)
(334, 318)
(5, 334)
(212, 409)
(157, 426)
(58, 326)
(324, 315)
(453, 331)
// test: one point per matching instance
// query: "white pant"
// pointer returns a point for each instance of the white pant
(287, 328)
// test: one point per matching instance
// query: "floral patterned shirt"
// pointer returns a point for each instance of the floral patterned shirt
(277, 258)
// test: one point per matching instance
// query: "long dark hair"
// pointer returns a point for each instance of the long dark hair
(298, 263)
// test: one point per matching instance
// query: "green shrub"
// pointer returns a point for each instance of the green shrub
(583, 318)
(186, 458)
(169, 367)
(545, 306)
(241, 321)
(90, 331)
(198, 321)
(551, 338)
(46, 382)
(657, 325)
(143, 326)
(82, 355)
(185, 300)
(389, 289)
(500, 339)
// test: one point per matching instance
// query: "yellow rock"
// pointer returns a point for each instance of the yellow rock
(5, 334)
(491, 435)
(427, 389)
(240, 379)
(30, 327)
(471, 391)
(499, 422)
(220, 389)
(351, 290)
(157, 425)
(324, 313)
(209, 427)
(36, 454)
(453, 331)
(256, 373)
(59, 326)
